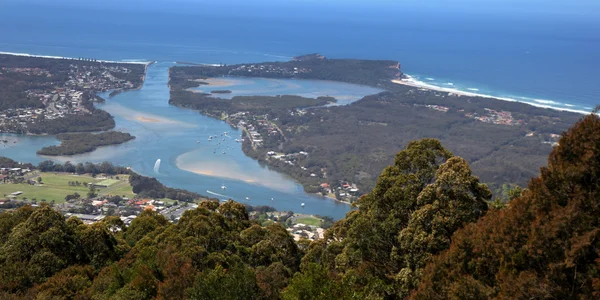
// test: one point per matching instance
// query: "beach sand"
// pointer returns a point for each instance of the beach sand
(451, 91)
(147, 120)
(221, 82)
(230, 170)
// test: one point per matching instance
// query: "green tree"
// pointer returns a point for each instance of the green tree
(236, 282)
(92, 192)
(417, 204)
(543, 245)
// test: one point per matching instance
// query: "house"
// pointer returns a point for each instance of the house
(87, 219)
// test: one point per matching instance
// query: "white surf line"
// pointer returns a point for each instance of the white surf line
(410, 81)
(72, 58)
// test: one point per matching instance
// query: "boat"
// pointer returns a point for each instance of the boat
(248, 198)
(224, 152)
(302, 204)
(223, 187)
(198, 142)
(272, 199)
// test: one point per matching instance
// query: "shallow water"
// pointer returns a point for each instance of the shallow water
(179, 138)
(344, 93)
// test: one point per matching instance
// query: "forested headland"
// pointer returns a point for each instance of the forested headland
(426, 231)
(77, 143)
(505, 142)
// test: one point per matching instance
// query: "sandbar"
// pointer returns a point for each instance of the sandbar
(147, 120)
(230, 170)
(214, 82)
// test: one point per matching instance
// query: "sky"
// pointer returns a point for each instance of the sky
(557, 7)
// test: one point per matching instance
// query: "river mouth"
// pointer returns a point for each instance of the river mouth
(180, 139)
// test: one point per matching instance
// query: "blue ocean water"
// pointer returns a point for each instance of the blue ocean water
(528, 50)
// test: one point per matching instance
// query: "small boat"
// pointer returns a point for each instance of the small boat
(223, 187)
(272, 199)
(247, 198)
(224, 152)
(198, 142)
(302, 204)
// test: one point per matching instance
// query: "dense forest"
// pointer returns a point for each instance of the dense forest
(77, 143)
(426, 231)
(368, 72)
(214, 106)
(152, 188)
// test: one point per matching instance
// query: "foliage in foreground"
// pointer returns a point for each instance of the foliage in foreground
(424, 232)
(546, 244)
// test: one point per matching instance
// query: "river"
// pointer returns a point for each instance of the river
(179, 138)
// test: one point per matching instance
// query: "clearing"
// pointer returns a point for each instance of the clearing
(56, 186)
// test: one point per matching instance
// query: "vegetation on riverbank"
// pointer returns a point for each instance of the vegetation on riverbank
(77, 143)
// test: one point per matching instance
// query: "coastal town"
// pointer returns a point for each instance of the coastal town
(57, 88)
(264, 136)
(92, 198)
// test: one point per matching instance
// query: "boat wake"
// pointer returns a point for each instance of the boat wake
(217, 194)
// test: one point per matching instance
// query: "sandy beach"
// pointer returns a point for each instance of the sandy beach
(220, 82)
(63, 57)
(409, 81)
(229, 169)
(147, 120)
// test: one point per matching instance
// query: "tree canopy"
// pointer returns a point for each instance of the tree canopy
(544, 245)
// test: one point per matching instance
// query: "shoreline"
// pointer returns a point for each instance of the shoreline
(147, 63)
(410, 81)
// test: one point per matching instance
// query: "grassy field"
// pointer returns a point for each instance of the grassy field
(56, 187)
(107, 182)
(314, 221)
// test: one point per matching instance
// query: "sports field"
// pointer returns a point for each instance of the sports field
(56, 186)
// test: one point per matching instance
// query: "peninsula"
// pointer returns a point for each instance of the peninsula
(339, 150)
(51, 95)
(77, 143)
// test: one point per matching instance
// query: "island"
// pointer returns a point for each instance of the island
(338, 151)
(42, 95)
(77, 143)
(220, 92)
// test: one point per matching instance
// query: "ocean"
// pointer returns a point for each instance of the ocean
(547, 55)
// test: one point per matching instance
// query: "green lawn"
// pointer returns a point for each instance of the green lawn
(108, 182)
(56, 187)
(314, 221)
